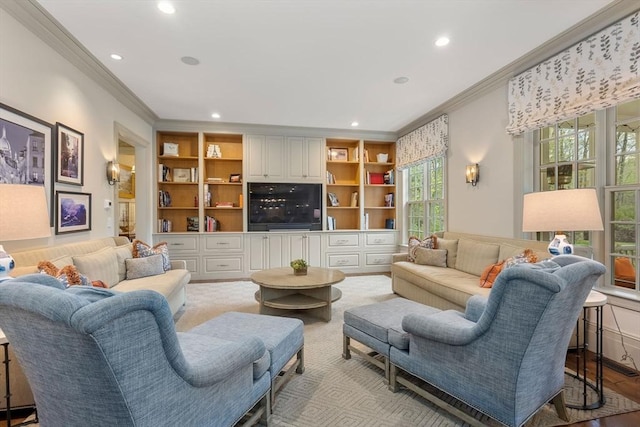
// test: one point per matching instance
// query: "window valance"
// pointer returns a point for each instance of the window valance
(595, 73)
(427, 141)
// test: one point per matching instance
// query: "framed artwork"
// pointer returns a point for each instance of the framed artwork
(339, 154)
(73, 212)
(69, 155)
(235, 177)
(127, 183)
(25, 151)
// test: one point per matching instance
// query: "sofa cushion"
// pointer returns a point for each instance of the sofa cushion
(123, 253)
(474, 256)
(451, 246)
(435, 257)
(415, 243)
(62, 261)
(101, 265)
(144, 267)
(142, 250)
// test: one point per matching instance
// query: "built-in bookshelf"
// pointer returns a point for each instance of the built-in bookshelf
(343, 184)
(379, 185)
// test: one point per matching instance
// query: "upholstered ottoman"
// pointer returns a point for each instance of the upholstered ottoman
(379, 326)
(282, 336)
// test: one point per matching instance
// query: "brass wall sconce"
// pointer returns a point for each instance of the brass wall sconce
(473, 174)
(113, 172)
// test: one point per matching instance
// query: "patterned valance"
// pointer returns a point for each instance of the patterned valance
(596, 73)
(427, 141)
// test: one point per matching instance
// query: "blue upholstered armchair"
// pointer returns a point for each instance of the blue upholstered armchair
(94, 357)
(505, 356)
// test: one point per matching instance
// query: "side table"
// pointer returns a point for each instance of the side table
(4, 342)
(597, 301)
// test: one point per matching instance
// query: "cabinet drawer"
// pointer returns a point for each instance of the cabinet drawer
(192, 264)
(379, 259)
(214, 264)
(179, 243)
(344, 260)
(381, 239)
(342, 240)
(216, 243)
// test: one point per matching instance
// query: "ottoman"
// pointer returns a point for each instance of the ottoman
(282, 336)
(379, 326)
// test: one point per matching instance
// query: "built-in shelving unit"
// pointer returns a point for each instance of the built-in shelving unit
(379, 185)
(343, 184)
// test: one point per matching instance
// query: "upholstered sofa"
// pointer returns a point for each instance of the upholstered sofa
(99, 259)
(467, 256)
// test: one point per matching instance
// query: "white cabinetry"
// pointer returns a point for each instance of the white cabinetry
(272, 250)
(222, 255)
(306, 158)
(183, 247)
(265, 157)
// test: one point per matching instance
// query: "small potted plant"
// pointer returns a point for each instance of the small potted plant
(299, 267)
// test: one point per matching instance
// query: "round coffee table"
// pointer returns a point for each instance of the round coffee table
(280, 289)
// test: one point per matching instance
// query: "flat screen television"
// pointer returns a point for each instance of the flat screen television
(284, 206)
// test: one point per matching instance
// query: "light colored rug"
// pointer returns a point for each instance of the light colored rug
(337, 392)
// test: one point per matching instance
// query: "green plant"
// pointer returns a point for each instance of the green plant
(298, 264)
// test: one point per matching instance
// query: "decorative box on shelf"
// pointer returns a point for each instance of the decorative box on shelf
(170, 149)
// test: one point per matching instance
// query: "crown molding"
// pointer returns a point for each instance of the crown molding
(610, 14)
(37, 20)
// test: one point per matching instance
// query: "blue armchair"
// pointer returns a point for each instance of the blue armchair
(97, 357)
(505, 355)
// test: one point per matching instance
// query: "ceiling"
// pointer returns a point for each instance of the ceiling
(310, 63)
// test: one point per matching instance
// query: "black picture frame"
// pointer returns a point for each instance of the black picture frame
(73, 212)
(235, 177)
(69, 155)
(32, 141)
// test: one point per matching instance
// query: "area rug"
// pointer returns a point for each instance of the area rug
(335, 392)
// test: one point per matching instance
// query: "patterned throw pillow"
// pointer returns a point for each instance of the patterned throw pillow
(142, 250)
(144, 267)
(430, 242)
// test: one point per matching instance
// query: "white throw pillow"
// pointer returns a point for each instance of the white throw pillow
(100, 265)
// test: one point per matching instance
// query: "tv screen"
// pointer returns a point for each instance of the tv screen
(284, 206)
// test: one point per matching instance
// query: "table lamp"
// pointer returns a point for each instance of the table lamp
(559, 211)
(23, 215)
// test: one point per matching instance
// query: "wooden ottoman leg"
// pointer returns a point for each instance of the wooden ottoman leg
(346, 342)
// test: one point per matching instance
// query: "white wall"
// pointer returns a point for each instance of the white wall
(36, 80)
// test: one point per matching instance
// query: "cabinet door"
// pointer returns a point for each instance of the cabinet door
(256, 157)
(257, 252)
(297, 157)
(307, 247)
(274, 158)
(315, 158)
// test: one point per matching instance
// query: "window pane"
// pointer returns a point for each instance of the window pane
(587, 174)
(566, 128)
(627, 137)
(566, 148)
(547, 152)
(626, 169)
(624, 206)
(547, 133)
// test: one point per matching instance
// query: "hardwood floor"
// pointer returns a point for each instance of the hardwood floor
(613, 380)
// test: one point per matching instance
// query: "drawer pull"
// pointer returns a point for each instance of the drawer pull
(223, 265)
(378, 241)
(177, 244)
(222, 243)
(342, 242)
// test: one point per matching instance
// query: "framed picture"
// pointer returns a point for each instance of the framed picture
(69, 155)
(339, 154)
(170, 149)
(235, 177)
(127, 184)
(333, 199)
(181, 175)
(30, 143)
(73, 212)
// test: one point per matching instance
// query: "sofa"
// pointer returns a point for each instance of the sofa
(467, 256)
(103, 259)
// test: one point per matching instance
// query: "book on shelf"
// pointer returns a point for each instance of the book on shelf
(206, 196)
(388, 177)
(333, 199)
(354, 199)
(181, 175)
(215, 179)
(366, 221)
(164, 226)
(193, 175)
(224, 204)
(211, 224)
(356, 154)
(193, 223)
(331, 178)
(164, 173)
(164, 199)
(375, 177)
(331, 223)
(388, 200)
(365, 157)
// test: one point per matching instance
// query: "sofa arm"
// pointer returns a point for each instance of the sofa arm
(403, 256)
(475, 307)
(178, 264)
(448, 327)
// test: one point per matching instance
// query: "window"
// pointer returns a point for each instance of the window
(425, 199)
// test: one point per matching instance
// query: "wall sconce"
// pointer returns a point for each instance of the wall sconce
(113, 172)
(473, 174)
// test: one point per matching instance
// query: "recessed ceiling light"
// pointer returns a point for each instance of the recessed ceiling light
(166, 7)
(116, 56)
(401, 80)
(190, 60)
(442, 41)
(354, 124)
(215, 115)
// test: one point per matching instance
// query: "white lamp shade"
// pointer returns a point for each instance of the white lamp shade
(23, 212)
(562, 210)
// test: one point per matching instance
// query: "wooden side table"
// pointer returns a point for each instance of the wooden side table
(597, 301)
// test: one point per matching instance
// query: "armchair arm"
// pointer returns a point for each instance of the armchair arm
(178, 264)
(448, 327)
(210, 360)
(475, 307)
(402, 256)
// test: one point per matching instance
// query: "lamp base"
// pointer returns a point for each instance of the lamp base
(560, 245)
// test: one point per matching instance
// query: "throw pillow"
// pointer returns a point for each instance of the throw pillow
(144, 267)
(433, 257)
(624, 272)
(451, 246)
(474, 256)
(101, 265)
(430, 242)
(490, 273)
(142, 250)
(527, 256)
(123, 253)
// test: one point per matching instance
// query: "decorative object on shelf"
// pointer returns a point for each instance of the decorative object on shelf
(170, 149)
(25, 215)
(299, 267)
(566, 210)
(213, 151)
(127, 182)
(388, 200)
(339, 154)
(113, 172)
(73, 212)
(333, 199)
(473, 174)
(69, 155)
(354, 199)
(235, 177)
(193, 223)
(181, 175)
(382, 157)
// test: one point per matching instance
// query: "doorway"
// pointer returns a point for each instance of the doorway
(127, 190)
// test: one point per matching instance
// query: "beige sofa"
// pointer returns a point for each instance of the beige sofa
(99, 259)
(467, 256)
